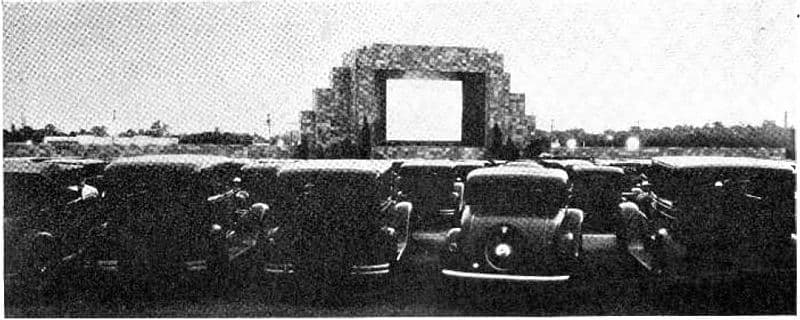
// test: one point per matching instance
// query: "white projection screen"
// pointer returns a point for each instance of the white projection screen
(423, 110)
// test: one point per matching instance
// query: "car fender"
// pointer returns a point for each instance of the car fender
(573, 220)
(628, 212)
(401, 223)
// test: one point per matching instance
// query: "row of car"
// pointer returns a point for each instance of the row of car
(327, 221)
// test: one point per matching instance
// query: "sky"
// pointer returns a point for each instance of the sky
(588, 64)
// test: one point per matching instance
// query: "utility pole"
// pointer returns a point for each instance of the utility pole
(552, 124)
(785, 119)
(269, 125)
(113, 124)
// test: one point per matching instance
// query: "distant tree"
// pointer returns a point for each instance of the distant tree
(216, 137)
(50, 130)
(128, 133)
(158, 129)
(510, 150)
(301, 152)
(496, 142)
(537, 146)
(365, 145)
(99, 131)
(349, 149)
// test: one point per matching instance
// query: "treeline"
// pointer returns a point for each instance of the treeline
(26, 133)
(768, 135)
(217, 137)
(338, 148)
(716, 135)
(157, 129)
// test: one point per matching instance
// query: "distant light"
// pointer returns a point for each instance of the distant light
(632, 144)
(572, 143)
(609, 137)
(29, 142)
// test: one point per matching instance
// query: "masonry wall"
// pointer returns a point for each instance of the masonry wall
(354, 96)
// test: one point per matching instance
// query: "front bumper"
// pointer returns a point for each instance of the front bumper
(356, 270)
(504, 277)
(117, 266)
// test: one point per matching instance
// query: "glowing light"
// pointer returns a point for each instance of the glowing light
(572, 143)
(632, 144)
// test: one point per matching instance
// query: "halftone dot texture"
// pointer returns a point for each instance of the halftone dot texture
(197, 66)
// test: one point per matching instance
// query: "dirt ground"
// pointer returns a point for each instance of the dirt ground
(610, 285)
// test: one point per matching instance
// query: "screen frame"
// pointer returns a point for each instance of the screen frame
(473, 99)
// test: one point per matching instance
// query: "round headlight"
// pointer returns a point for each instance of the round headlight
(502, 250)
(452, 239)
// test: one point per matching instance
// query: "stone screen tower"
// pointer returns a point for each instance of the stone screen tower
(358, 91)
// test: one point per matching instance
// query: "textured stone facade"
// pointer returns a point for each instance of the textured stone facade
(356, 94)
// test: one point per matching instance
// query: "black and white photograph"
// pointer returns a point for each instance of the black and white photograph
(438, 158)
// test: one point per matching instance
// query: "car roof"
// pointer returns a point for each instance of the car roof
(523, 164)
(427, 164)
(187, 161)
(567, 162)
(608, 162)
(11, 165)
(345, 166)
(597, 169)
(557, 176)
(46, 166)
(712, 162)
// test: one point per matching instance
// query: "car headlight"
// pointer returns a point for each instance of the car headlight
(389, 231)
(503, 248)
(568, 245)
(452, 239)
(216, 229)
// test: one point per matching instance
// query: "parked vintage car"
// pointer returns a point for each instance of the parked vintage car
(564, 163)
(335, 221)
(155, 221)
(44, 198)
(462, 168)
(598, 191)
(516, 226)
(524, 163)
(707, 216)
(261, 192)
(635, 169)
(429, 185)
